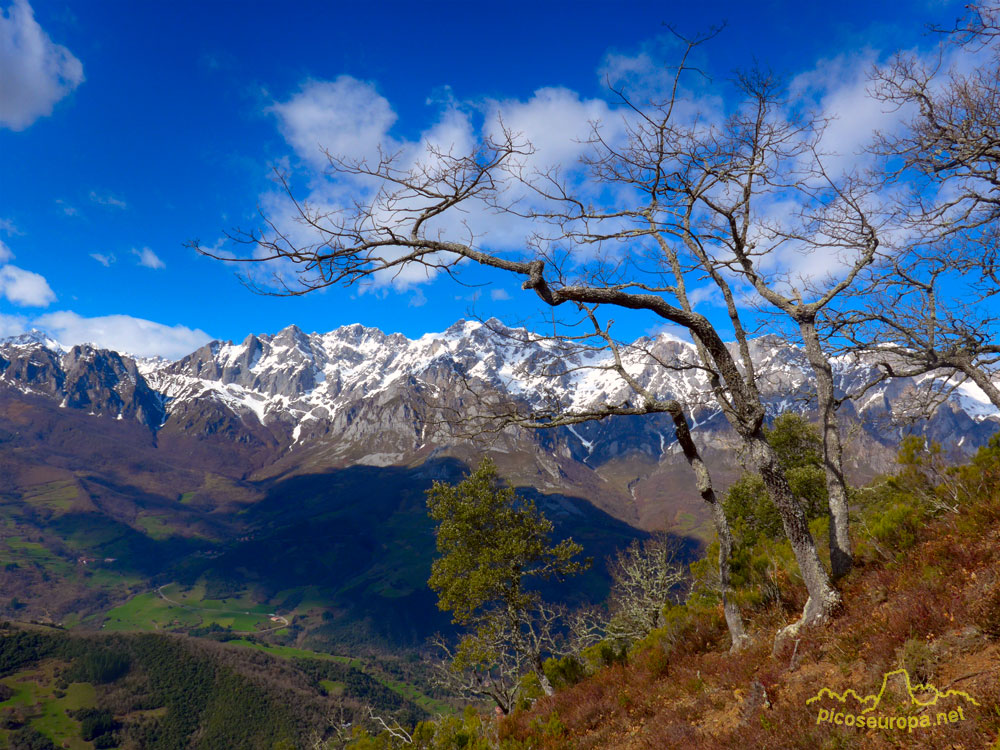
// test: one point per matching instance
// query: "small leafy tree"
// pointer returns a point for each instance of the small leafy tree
(492, 545)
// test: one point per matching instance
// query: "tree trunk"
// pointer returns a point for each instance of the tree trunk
(823, 597)
(841, 558)
(542, 677)
(734, 620)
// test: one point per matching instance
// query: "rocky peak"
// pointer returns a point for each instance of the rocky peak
(32, 366)
(106, 383)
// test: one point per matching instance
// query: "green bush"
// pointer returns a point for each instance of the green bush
(29, 738)
(550, 727)
(565, 671)
(917, 658)
(604, 654)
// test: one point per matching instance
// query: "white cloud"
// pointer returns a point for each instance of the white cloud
(647, 72)
(12, 325)
(66, 208)
(556, 122)
(840, 88)
(349, 118)
(148, 258)
(35, 73)
(5, 253)
(346, 116)
(25, 288)
(8, 226)
(417, 299)
(706, 295)
(123, 333)
(104, 260)
(499, 294)
(107, 200)
(670, 331)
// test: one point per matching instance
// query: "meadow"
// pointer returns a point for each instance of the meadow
(173, 607)
(41, 700)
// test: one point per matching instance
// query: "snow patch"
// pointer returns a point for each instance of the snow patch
(588, 444)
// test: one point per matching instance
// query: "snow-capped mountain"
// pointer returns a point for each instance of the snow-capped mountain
(358, 395)
(294, 403)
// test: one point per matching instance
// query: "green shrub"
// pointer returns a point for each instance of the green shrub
(890, 519)
(565, 671)
(604, 654)
(917, 658)
(550, 727)
(29, 738)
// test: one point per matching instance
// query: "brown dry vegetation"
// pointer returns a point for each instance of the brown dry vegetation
(933, 608)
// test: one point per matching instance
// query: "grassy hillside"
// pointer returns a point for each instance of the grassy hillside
(925, 598)
(59, 689)
(343, 555)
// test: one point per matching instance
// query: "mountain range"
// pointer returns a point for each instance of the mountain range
(294, 402)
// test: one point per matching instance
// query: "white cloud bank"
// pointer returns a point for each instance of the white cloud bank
(349, 118)
(122, 333)
(20, 287)
(35, 73)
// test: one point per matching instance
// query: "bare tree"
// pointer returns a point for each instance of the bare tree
(761, 155)
(644, 578)
(933, 306)
(633, 251)
(918, 319)
(391, 727)
(493, 662)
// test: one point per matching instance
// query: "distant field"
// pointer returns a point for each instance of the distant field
(690, 525)
(35, 696)
(32, 553)
(400, 688)
(154, 527)
(187, 609)
(53, 496)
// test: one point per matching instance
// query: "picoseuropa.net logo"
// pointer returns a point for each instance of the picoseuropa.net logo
(898, 706)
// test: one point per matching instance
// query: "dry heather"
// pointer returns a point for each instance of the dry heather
(935, 611)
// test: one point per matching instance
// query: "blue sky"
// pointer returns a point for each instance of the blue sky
(128, 128)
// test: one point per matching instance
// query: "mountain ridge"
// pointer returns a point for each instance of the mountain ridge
(312, 385)
(292, 403)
